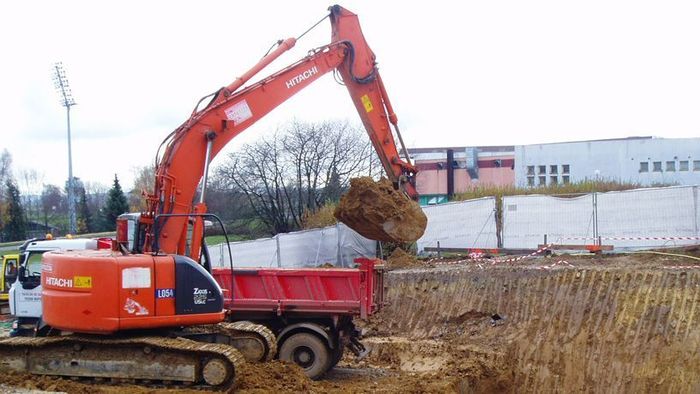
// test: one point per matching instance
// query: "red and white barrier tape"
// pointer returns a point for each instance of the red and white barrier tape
(492, 261)
(481, 262)
(634, 238)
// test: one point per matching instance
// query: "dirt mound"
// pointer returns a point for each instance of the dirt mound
(400, 259)
(55, 384)
(253, 378)
(377, 211)
(273, 376)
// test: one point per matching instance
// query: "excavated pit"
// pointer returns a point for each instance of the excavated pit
(618, 324)
(377, 211)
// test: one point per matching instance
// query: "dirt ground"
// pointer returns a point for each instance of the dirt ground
(625, 323)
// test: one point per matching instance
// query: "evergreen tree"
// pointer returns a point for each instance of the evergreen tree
(85, 222)
(15, 228)
(116, 205)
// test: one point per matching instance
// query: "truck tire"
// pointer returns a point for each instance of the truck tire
(336, 356)
(308, 352)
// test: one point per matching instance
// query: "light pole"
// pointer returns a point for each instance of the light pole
(61, 84)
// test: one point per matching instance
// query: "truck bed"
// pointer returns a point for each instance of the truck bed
(310, 291)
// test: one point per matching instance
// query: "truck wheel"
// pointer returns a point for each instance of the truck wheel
(308, 352)
(337, 355)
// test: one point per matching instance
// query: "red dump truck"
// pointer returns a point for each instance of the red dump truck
(310, 310)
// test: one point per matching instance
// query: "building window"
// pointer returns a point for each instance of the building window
(683, 165)
(542, 169)
(696, 165)
(530, 170)
(543, 180)
(531, 181)
(643, 166)
(553, 180)
(657, 166)
(553, 169)
(670, 166)
(565, 179)
(564, 168)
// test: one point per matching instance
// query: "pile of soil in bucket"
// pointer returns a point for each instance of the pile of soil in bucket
(378, 211)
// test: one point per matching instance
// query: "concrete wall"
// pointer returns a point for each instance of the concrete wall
(613, 159)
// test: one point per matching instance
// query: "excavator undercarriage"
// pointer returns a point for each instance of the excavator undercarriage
(201, 356)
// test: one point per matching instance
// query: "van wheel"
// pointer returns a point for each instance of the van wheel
(308, 352)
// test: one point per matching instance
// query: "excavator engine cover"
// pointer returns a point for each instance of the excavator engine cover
(105, 292)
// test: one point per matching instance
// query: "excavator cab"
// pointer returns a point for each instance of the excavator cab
(10, 262)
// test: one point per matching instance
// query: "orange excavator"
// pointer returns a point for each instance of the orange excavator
(149, 309)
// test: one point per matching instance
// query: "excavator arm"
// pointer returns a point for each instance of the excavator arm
(233, 109)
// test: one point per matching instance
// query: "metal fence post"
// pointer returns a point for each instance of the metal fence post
(695, 210)
(279, 255)
(339, 254)
(595, 219)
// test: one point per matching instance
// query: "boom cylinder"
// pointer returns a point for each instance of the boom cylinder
(283, 47)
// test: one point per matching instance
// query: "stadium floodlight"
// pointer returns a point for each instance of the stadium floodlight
(61, 83)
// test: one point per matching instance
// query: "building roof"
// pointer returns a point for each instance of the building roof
(496, 148)
(511, 148)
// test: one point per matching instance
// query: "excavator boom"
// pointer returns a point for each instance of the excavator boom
(233, 109)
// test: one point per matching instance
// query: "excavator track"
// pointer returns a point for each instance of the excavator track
(156, 361)
(255, 341)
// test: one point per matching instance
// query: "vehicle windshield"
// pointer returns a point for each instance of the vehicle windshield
(33, 263)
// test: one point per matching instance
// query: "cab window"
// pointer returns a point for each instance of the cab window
(34, 264)
(11, 267)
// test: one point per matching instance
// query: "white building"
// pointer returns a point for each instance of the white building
(644, 160)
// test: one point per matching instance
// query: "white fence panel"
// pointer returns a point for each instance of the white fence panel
(647, 213)
(526, 219)
(464, 224)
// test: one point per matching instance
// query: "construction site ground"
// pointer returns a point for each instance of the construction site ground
(619, 323)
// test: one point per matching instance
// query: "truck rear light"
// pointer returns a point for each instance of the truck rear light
(123, 231)
(104, 243)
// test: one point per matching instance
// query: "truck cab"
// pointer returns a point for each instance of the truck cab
(25, 291)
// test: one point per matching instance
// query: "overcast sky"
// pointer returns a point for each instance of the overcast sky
(458, 73)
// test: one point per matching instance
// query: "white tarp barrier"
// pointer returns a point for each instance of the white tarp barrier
(309, 248)
(337, 245)
(256, 253)
(647, 213)
(526, 219)
(464, 224)
(352, 245)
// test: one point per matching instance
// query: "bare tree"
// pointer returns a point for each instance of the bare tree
(96, 196)
(144, 181)
(257, 171)
(297, 170)
(53, 203)
(324, 157)
(5, 166)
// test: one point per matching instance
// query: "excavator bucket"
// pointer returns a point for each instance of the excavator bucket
(378, 211)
